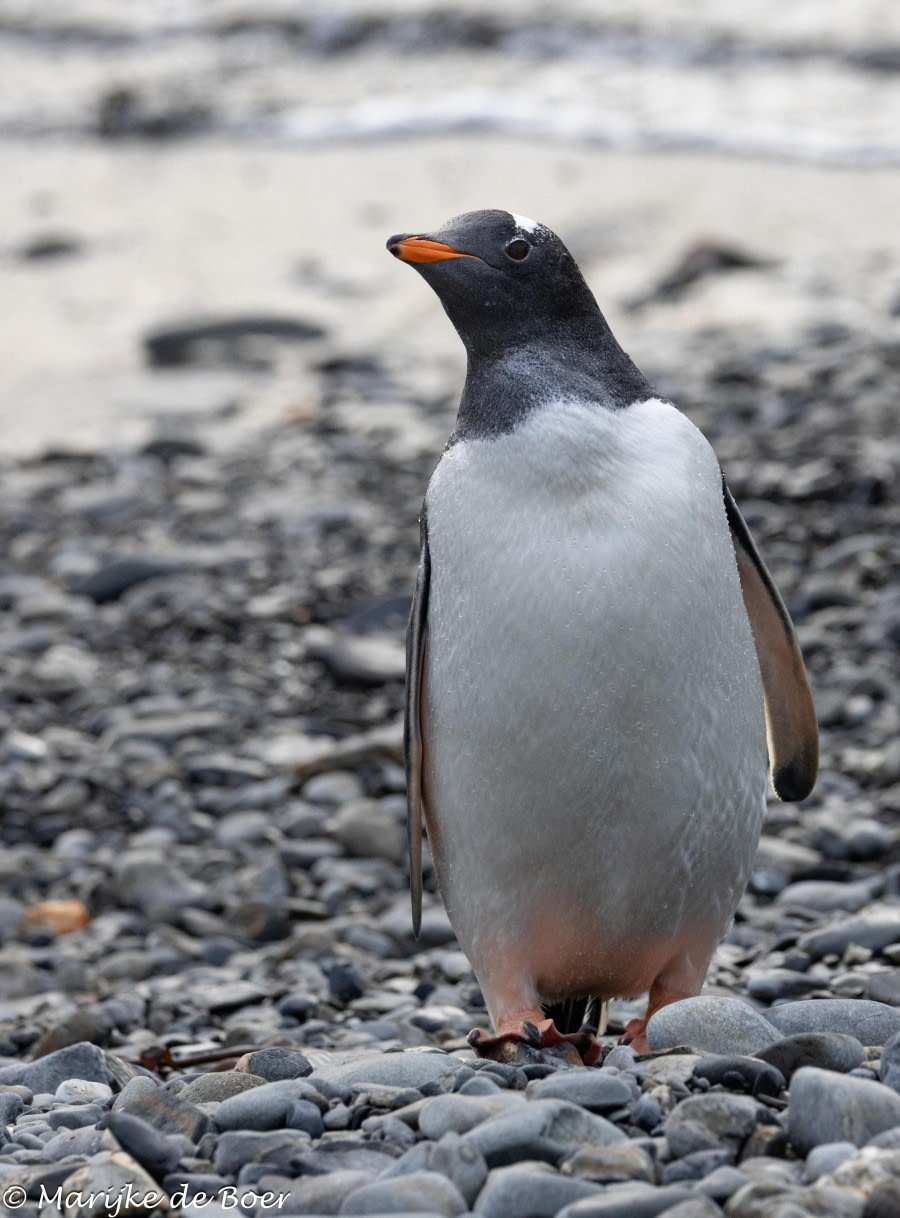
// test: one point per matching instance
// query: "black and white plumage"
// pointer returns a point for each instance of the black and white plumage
(599, 662)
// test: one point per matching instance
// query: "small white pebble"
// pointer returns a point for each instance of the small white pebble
(80, 1091)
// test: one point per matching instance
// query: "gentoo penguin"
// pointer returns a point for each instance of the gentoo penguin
(598, 659)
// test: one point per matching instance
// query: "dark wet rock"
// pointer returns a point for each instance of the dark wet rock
(235, 340)
(700, 261)
(109, 582)
(274, 1064)
(828, 1107)
(50, 248)
(152, 1149)
(777, 984)
(826, 1050)
(741, 1074)
(711, 1025)
(282, 1149)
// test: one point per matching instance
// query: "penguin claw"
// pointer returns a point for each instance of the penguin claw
(528, 1043)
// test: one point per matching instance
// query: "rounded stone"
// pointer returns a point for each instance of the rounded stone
(422, 1191)
(828, 1107)
(872, 1023)
(710, 1025)
(826, 1050)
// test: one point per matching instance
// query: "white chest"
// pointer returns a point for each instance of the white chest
(590, 669)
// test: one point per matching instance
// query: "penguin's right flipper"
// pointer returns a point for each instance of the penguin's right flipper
(790, 715)
(413, 739)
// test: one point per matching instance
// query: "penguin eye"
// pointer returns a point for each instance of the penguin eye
(518, 249)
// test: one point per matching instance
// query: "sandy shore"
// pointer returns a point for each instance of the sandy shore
(217, 228)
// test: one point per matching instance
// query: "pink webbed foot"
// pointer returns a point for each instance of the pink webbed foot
(527, 1041)
(635, 1034)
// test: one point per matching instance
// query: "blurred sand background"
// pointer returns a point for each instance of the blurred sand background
(166, 161)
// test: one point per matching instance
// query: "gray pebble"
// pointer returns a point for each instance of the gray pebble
(828, 1107)
(335, 787)
(825, 1158)
(722, 1183)
(75, 1116)
(705, 1122)
(142, 1085)
(458, 1113)
(596, 1090)
(306, 1116)
(696, 1207)
(420, 1191)
(620, 1057)
(263, 1107)
(281, 1148)
(168, 1113)
(11, 1105)
(827, 1050)
(511, 1192)
(871, 1023)
(80, 1061)
(513, 1135)
(697, 1166)
(611, 1164)
(711, 1025)
(321, 1194)
(876, 928)
(889, 1067)
(219, 1085)
(147, 1145)
(628, 1201)
(392, 1069)
(68, 1142)
(460, 1163)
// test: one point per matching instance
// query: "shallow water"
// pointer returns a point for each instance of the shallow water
(818, 82)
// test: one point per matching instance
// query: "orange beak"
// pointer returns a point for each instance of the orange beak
(417, 249)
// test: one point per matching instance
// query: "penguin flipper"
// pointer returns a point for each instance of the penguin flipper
(791, 728)
(413, 741)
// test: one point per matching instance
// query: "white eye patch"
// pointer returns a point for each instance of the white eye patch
(523, 223)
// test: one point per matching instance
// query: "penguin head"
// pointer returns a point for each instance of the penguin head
(502, 279)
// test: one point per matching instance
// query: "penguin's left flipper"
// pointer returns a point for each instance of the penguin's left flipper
(791, 729)
(413, 739)
(529, 1041)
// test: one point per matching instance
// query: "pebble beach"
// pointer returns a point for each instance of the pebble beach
(220, 403)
